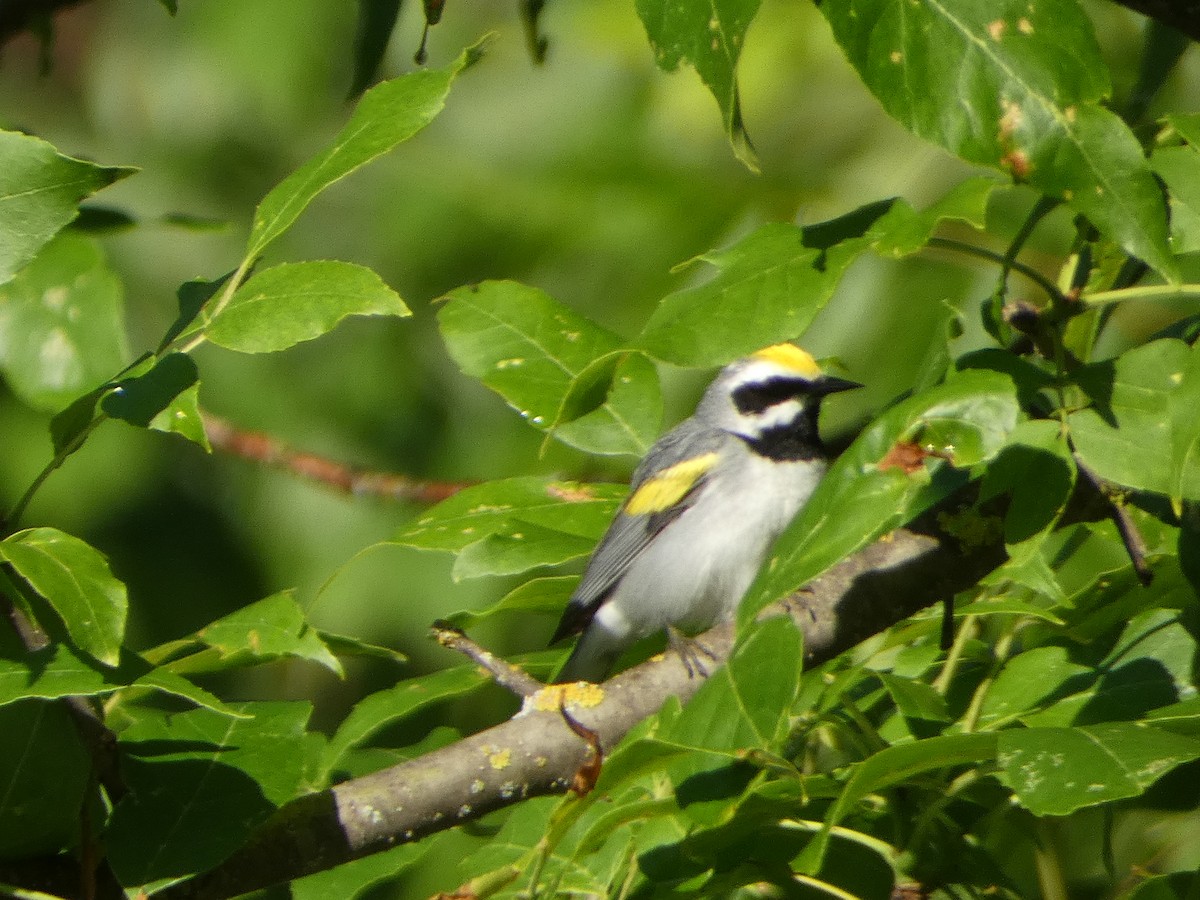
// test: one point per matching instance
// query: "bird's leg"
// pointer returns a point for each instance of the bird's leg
(690, 650)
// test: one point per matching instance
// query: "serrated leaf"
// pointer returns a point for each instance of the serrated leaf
(572, 507)
(269, 629)
(387, 115)
(1015, 86)
(545, 360)
(746, 702)
(293, 302)
(768, 288)
(75, 579)
(539, 596)
(890, 766)
(199, 784)
(967, 419)
(386, 707)
(1143, 431)
(39, 193)
(709, 37)
(138, 400)
(44, 775)
(62, 328)
(915, 699)
(58, 671)
(1055, 771)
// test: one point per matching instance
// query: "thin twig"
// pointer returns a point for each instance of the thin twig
(503, 673)
(263, 448)
(1131, 537)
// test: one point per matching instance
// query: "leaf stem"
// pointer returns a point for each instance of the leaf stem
(1143, 292)
(231, 286)
(1003, 260)
(9, 522)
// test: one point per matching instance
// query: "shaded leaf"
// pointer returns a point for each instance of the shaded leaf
(39, 193)
(75, 579)
(892, 766)
(138, 400)
(200, 783)
(376, 19)
(544, 596)
(62, 328)
(293, 302)
(43, 779)
(1143, 431)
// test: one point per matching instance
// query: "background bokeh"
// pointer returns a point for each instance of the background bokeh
(592, 176)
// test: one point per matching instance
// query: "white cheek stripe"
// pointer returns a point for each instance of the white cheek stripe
(774, 416)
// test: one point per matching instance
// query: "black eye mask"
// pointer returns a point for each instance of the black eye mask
(752, 399)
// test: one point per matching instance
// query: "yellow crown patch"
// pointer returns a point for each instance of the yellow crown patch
(790, 357)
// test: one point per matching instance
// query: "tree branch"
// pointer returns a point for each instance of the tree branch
(1182, 15)
(536, 753)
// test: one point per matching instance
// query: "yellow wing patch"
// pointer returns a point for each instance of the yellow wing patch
(668, 487)
(790, 357)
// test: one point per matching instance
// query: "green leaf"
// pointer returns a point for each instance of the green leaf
(891, 766)
(866, 494)
(515, 524)
(75, 579)
(392, 705)
(1017, 87)
(182, 416)
(294, 302)
(1142, 431)
(540, 596)
(915, 699)
(387, 115)
(1177, 167)
(1055, 771)
(58, 671)
(199, 784)
(708, 36)
(39, 194)
(771, 284)
(270, 629)
(350, 880)
(559, 370)
(138, 400)
(376, 20)
(43, 780)
(768, 288)
(1027, 681)
(62, 329)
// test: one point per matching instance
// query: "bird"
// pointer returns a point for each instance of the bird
(705, 505)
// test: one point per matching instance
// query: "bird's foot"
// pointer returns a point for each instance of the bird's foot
(690, 651)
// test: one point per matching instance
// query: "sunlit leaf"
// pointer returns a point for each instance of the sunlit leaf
(387, 115)
(1016, 86)
(558, 369)
(39, 193)
(75, 579)
(293, 302)
(1055, 771)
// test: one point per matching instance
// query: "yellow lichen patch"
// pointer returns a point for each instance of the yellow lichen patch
(790, 357)
(668, 487)
(497, 757)
(579, 694)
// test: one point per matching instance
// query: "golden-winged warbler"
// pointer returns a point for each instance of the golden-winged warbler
(704, 507)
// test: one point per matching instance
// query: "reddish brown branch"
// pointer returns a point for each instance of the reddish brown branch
(262, 448)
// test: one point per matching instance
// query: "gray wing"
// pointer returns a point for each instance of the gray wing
(628, 535)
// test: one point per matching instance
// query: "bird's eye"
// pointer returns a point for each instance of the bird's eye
(755, 398)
